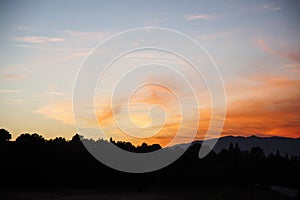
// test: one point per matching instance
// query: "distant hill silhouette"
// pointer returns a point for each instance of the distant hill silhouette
(290, 146)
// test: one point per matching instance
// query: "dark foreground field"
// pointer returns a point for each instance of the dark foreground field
(33, 168)
(131, 194)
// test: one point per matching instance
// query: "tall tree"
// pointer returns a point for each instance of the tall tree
(4, 135)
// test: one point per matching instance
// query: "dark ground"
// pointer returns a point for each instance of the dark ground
(33, 168)
(131, 194)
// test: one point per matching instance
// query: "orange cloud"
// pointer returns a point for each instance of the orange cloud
(150, 127)
(154, 94)
(271, 107)
(105, 116)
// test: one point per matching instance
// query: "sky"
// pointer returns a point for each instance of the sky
(255, 45)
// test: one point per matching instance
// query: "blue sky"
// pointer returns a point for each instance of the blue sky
(43, 43)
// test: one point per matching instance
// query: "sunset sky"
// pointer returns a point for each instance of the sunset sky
(255, 45)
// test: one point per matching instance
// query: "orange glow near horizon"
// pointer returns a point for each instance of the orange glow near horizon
(262, 106)
(270, 107)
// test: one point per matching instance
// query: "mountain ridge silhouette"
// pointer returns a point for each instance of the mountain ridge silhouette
(285, 145)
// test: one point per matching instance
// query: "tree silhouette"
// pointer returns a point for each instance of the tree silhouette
(257, 152)
(4, 135)
(58, 140)
(76, 138)
(277, 153)
(27, 138)
(143, 148)
(230, 147)
(61, 158)
(236, 147)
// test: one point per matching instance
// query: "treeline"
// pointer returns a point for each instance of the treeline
(36, 139)
(33, 161)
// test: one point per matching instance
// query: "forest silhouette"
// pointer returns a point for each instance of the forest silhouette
(33, 161)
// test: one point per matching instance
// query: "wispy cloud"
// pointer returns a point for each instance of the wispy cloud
(16, 101)
(105, 116)
(156, 94)
(59, 110)
(83, 36)
(54, 93)
(26, 28)
(80, 50)
(10, 91)
(12, 76)
(294, 67)
(38, 39)
(16, 72)
(199, 17)
(295, 56)
(79, 42)
(155, 21)
(275, 6)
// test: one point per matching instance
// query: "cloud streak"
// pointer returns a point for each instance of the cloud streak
(10, 91)
(274, 6)
(294, 56)
(199, 17)
(38, 39)
(58, 110)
